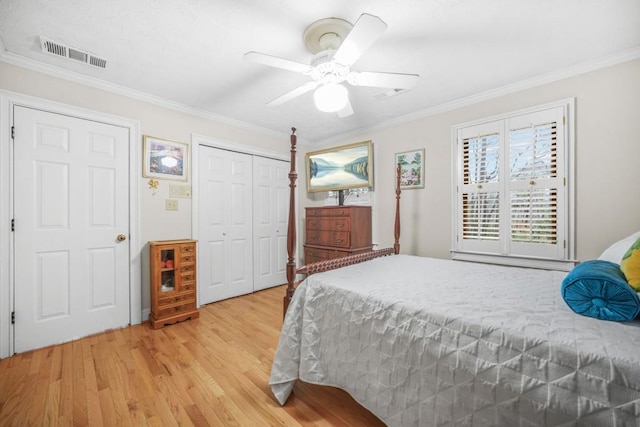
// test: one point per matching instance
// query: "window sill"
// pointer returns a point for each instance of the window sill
(515, 261)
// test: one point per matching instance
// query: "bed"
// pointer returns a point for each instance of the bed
(425, 342)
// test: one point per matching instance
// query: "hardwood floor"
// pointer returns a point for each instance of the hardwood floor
(212, 371)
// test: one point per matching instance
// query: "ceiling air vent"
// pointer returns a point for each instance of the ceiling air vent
(388, 93)
(58, 49)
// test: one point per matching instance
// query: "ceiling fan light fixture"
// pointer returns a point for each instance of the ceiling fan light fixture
(331, 97)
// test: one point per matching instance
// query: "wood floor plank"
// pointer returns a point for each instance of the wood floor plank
(211, 371)
(51, 408)
(65, 409)
(94, 409)
(79, 411)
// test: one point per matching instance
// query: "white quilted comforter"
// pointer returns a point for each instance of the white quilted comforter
(427, 342)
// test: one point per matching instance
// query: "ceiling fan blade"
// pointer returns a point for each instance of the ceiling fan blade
(300, 90)
(346, 111)
(274, 61)
(386, 80)
(364, 33)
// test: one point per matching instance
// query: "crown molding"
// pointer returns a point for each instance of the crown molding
(582, 68)
(30, 64)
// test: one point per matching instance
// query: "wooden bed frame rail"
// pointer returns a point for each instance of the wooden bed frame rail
(331, 264)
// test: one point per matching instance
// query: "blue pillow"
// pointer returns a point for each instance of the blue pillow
(598, 288)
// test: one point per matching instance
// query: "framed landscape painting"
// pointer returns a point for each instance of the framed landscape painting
(411, 169)
(340, 168)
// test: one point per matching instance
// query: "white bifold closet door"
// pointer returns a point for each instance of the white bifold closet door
(270, 215)
(243, 206)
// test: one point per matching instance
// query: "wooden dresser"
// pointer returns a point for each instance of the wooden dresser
(173, 281)
(336, 231)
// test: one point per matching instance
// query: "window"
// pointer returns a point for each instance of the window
(512, 195)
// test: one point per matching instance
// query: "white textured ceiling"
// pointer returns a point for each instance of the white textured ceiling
(190, 52)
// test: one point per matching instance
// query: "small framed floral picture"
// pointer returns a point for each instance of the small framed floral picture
(411, 169)
(165, 159)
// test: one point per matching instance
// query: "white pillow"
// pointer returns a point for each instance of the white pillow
(615, 252)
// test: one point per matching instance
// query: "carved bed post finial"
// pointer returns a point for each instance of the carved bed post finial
(291, 229)
(396, 229)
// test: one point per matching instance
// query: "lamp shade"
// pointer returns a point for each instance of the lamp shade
(331, 97)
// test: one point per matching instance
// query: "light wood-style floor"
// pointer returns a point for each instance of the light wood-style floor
(212, 371)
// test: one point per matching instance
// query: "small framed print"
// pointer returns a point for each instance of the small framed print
(165, 159)
(411, 169)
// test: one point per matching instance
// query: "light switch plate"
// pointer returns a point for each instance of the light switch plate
(171, 204)
(178, 190)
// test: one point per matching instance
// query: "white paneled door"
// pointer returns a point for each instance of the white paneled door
(71, 211)
(225, 255)
(270, 215)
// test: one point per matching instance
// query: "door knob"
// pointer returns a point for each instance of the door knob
(121, 237)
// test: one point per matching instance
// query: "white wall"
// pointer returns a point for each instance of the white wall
(156, 222)
(607, 158)
(607, 153)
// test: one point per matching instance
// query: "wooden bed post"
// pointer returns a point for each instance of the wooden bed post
(330, 264)
(396, 228)
(291, 229)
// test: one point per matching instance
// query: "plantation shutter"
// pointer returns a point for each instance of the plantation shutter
(511, 188)
(535, 183)
(480, 193)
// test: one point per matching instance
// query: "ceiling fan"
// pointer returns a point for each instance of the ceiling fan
(336, 46)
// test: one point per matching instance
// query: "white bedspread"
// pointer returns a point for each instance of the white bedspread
(426, 342)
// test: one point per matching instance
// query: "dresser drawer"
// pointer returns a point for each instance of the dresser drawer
(329, 224)
(187, 276)
(187, 249)
(183, 307)
(187, 258)
(189, 286)
(339, 239)
(180, 298)
(318, 212)
(317, 254)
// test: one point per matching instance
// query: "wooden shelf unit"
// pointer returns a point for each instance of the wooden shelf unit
(336, 231)
(173, 282)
